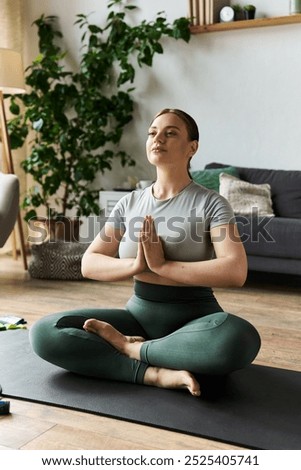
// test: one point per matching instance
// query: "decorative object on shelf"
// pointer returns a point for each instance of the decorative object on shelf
(249, 12)
(77, 118)
(203, 12)
(227, 14)
(213, 9)
(196, 12)
(11, 82)
(295, 7)
(238, 12)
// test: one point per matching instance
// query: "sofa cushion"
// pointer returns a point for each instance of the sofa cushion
(210, 177)
(246, 198)
(277, 237)
(285, 187)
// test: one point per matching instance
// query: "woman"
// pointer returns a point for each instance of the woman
(177, 240)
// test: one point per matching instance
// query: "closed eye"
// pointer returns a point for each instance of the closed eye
(170, 133)
(167, 133)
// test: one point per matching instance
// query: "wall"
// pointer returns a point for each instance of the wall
(242, 86)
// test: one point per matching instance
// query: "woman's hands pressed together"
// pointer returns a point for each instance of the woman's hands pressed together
(101, 263)
(151, 245)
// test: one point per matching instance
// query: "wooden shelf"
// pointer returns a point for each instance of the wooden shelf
(256, 23)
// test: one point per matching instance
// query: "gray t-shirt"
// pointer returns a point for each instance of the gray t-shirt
(183, 222)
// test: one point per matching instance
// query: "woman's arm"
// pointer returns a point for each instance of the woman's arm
(228, 269)
(100, 263)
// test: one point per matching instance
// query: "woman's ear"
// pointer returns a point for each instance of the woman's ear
(194, 147)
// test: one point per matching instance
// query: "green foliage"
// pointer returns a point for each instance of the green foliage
(237, 8)
(75, 120)
(249, 8)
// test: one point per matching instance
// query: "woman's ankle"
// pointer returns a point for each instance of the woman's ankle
(171, 379)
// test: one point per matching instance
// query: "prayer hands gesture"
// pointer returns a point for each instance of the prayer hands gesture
(150, 249)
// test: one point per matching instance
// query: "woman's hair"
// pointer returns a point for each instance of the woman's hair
(191, 125)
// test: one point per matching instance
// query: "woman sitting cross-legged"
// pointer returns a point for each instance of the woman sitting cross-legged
(177, 240)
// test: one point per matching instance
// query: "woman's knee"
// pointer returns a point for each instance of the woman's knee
(42, 334)
(225, 343)
(241, 343)
(47, 331)
(47, 335)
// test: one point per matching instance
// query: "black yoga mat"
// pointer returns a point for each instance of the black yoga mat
(258, 407)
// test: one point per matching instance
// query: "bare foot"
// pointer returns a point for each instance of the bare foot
(131, 345)
(167, 378)
(128, 345)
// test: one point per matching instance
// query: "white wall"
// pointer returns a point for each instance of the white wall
(242, 87)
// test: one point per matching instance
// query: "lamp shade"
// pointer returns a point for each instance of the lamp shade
(11, 72)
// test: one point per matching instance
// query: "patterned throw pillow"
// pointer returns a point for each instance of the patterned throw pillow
(246, 198)
(210, 176)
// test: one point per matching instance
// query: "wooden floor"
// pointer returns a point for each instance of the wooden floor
(271, 303)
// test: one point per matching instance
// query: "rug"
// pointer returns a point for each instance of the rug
(257, 408)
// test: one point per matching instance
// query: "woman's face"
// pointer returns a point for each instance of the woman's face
(168, 142)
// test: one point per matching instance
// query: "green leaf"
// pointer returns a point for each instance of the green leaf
(32, 214)
(95, 29)
(39, 58)
(14, 108)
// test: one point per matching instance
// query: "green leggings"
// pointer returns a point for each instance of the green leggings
(184, 327)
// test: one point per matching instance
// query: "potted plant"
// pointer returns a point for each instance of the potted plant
(74, 120)
(238, 12)
(249, 11)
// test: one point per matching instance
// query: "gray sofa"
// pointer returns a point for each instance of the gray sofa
(273, 244)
